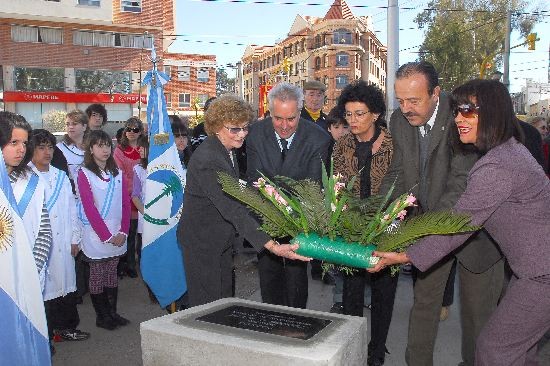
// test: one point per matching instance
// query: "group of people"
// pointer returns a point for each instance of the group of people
(464, 151)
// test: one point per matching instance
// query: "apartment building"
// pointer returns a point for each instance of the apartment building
(335, 49)
(66, 54)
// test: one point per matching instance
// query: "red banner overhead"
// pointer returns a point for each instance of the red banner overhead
(61, 97)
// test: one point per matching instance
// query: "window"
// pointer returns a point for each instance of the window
(130, 5)
(342, 36)
(89, 2)
(168, 97)
(185, 100)
(202, 75)
(325, 61)
(184, 73)
(110, 39)
(317, 41)
(36, 79)
(83, 38)
(133, 40)
(296, 68)
(102, 81)
(202, 98)
(317, 63)
(342, 59)
(341, 81)
(168, 70)
(22, 33)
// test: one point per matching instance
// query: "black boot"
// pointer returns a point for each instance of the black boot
(112, 296)
(103, 316)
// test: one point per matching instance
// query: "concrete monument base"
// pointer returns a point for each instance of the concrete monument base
(220, 333)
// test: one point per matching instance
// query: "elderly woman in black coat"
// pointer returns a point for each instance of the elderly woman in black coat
(211, 219)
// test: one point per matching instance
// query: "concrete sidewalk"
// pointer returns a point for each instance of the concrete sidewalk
(121, 347)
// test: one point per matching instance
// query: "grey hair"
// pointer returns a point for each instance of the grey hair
(285, 92)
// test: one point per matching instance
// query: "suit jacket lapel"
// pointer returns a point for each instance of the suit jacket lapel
(299, 136)
(272, 147)
(223, 150)
(439, 128)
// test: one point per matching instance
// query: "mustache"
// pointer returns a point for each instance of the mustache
(410, 114)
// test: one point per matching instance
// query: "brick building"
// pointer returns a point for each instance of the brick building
(66, 54)
(335, 49)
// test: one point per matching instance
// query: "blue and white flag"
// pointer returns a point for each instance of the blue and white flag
(23, 329)
(161, 256)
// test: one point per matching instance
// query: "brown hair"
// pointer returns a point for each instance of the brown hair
(227, 109)
(95, 138)
(132, 121)
(77, 116)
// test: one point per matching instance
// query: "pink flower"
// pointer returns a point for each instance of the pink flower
(339, 186)
(280, 199)
(270, 190)
(259, 183)
(410, 200)
(401, 215)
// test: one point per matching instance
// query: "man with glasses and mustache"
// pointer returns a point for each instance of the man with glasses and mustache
(424, 163)
(286, 145)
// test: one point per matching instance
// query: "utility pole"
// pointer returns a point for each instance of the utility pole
(508, 30)
(393, 54)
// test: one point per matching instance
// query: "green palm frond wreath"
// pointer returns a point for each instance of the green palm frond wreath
(431, 223)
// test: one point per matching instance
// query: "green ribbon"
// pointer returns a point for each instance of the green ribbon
(335, 251)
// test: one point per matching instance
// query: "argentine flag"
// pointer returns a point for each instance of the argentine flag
(23, 329)
(161, 256)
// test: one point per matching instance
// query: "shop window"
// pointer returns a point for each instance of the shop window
(37, 79)
(102, 81)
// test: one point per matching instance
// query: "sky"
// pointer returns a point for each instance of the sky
(224, 28)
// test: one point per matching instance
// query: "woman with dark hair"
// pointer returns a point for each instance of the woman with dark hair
(28, 189)
(508, 193)
(181, 138)
(366, 154)
(210, 218)
(127, 157)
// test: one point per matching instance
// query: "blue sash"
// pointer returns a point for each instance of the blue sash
(27, 195)
(57, 190)
(106, 204)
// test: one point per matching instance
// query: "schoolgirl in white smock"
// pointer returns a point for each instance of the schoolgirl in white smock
(66, 230)
(107, 201)
(29, 192)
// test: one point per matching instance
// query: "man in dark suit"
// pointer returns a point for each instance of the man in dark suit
(424, 162)
(314, 100)
(285, 145)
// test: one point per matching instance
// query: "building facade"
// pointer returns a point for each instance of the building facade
(335, 50)
(66, 54)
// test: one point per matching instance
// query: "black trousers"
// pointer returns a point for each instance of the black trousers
(282, 281)
(383, 288)
(61, 313)
(82, 274)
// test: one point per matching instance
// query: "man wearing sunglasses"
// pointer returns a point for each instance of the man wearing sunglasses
(287, 145)
(424, 163)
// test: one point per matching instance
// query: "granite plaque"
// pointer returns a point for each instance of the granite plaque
(267, 321)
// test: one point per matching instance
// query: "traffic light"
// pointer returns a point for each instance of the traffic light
(531, 39)
(286, 65)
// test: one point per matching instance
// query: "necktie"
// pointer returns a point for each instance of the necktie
(284, 146)
(427, 129)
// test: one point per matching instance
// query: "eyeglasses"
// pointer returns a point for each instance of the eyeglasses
(236, 130)
(134, 130)
(466, 110)
(357, 114)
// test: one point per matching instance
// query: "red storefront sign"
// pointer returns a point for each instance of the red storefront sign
(60, 97)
